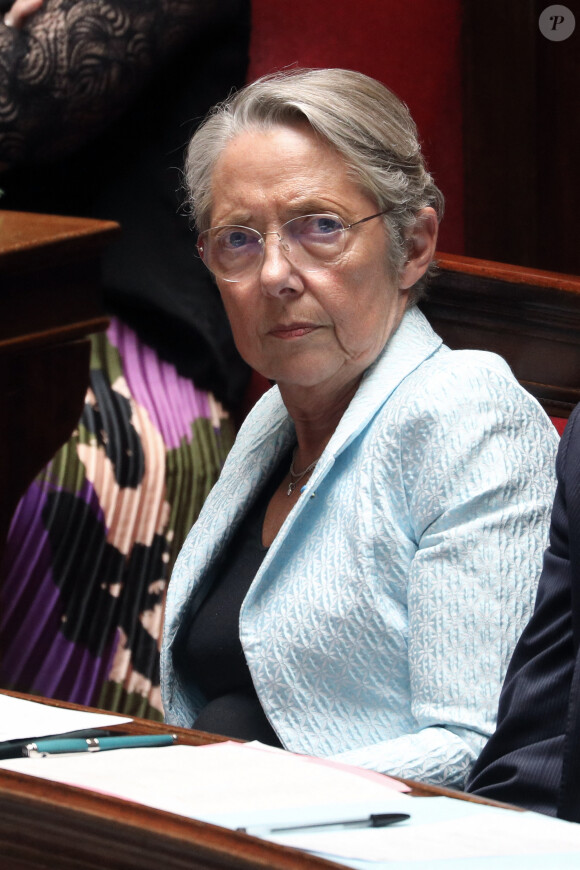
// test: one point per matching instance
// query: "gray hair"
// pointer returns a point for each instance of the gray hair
(356, 115)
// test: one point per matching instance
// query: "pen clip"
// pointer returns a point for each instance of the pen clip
(32, 751)
(60, 746)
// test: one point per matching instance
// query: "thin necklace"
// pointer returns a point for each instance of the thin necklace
(296, 477)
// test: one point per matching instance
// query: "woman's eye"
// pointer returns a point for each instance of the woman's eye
(328, 225)
(320, 225)
(235, 239)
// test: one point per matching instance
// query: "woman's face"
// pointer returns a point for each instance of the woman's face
(305, 329)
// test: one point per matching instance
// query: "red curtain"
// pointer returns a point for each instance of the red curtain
(413, 46)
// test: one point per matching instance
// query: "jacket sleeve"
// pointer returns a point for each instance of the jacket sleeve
(522, 762)
(76, 64)
(478, 465)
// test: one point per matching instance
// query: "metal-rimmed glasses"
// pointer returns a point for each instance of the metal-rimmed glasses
(310, 242)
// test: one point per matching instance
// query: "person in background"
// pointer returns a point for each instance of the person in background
(97, 102)
(358, 577)
(533, 758)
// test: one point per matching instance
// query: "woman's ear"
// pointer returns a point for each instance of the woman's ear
(421, 244)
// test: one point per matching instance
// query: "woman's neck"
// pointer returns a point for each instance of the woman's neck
(315, 419)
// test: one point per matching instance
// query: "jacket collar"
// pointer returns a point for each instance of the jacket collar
(411, 344)
(273, 431)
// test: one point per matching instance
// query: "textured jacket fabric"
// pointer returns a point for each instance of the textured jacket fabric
(533, 759)
(382, 620)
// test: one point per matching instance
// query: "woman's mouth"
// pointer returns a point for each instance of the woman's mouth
(292, 330)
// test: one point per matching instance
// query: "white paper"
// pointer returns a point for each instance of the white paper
(482, 832)
(226, 783)
(21, 719)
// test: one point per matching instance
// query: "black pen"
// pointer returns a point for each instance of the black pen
(375, 820)
(17, 748)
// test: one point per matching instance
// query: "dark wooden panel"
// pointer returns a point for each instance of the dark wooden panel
(528, 316)
(521, 129)
(41, 398)
(49, 305)
(49, 278)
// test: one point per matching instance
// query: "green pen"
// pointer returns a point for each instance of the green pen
(42, 748)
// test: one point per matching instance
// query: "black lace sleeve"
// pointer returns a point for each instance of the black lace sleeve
(76, 64)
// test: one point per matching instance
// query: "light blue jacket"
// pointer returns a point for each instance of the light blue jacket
(385, 612)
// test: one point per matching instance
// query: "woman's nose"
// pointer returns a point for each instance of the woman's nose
(277, 274)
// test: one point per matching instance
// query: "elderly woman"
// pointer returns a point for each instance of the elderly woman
(361, 571)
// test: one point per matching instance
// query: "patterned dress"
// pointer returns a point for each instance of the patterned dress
(93, 541)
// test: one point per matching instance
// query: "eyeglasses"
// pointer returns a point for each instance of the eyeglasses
(311, 243)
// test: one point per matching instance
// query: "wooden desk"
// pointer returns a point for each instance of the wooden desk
(44, 824)
(49, 305)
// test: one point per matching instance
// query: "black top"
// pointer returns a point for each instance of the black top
(208, 650)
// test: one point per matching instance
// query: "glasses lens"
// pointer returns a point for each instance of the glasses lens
(314, 240)
(230, 252)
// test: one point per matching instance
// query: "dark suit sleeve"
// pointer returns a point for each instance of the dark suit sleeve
(523, 761)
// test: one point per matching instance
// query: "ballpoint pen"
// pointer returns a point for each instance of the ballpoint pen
(42, 748)
(374, 820)
(14, 748)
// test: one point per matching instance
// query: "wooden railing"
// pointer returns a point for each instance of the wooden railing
(530, 317)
